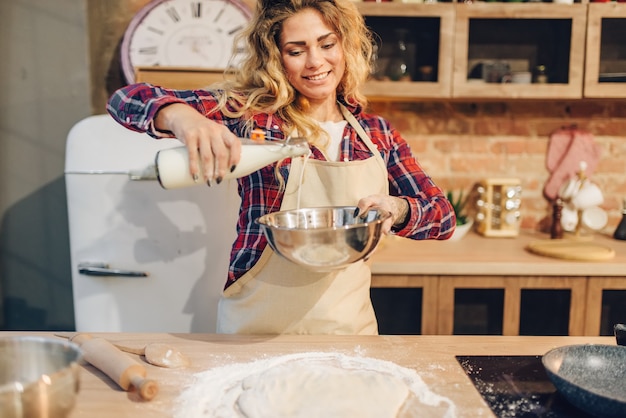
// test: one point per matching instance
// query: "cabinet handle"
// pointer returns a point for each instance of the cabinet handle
(103, 269)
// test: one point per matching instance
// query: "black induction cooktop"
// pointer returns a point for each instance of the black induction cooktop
(517, 386)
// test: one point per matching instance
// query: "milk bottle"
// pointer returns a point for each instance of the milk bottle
(172, 164)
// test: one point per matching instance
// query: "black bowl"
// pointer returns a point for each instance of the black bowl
(591, 377)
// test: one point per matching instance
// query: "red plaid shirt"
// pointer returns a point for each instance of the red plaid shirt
(431, 216)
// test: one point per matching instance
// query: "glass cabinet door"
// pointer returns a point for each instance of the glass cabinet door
(528, 50)
(416, 36)
(605, 71)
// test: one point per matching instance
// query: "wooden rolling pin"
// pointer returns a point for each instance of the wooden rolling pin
(125, 371)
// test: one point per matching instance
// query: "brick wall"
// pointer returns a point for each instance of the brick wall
(460, 143)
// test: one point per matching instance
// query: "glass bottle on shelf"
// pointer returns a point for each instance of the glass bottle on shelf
(541, 75)
(620, 231)
(377, 69)
(399, 62)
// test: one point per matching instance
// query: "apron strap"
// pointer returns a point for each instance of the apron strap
(362, 134)
(358, 128)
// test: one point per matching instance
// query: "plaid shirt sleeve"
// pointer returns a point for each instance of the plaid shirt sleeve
(135, 106)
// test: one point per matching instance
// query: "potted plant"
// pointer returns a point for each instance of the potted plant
(463, 221)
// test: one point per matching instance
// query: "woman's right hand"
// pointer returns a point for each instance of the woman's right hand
(207, 141)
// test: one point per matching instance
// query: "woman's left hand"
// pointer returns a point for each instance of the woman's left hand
(398, 207)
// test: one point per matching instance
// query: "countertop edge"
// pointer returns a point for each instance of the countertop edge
(476, 255)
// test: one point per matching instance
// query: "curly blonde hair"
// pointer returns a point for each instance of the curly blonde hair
(261, 85)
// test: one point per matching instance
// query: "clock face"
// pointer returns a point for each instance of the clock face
(183, 33)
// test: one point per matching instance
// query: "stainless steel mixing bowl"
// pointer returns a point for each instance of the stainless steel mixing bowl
(39, 377)
(325, 238)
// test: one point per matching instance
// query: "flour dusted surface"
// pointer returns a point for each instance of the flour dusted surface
(311, 385)
(298, 390)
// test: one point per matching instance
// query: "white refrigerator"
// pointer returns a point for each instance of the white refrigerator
(144, 259)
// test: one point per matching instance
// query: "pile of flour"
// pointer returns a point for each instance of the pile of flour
(311, 385)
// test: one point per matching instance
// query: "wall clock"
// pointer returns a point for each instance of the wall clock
(183, 33)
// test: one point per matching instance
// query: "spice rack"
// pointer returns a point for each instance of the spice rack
(499, 207)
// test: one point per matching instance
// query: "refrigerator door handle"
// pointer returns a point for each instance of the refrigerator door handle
(103, 269)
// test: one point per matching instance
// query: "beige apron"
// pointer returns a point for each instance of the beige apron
(280, 297)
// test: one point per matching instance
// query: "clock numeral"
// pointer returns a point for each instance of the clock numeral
(148, 50)
(219, 15)
(235, 30)
(196, 9)
(155, 30)
(173, 14)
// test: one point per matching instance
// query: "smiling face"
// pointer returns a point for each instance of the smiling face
(313, 56)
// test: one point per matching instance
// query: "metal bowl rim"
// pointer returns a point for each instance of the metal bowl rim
(41, 343)
(383, 215)
(43, 340)
(40, 339)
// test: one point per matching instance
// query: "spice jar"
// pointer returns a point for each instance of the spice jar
(377, 69)
(398, 67)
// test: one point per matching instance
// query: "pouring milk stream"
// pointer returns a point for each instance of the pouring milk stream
(172, 164)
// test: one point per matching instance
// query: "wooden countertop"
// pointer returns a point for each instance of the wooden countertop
(478, 255)
(433, 357)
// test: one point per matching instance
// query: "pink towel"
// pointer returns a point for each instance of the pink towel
(567, 148)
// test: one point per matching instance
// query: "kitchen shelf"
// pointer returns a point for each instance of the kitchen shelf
(454, 38)
(179, 77)
(605, 65)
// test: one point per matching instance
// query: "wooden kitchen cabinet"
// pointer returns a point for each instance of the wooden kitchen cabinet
(512, 287)
(470, 35)
(605, 65)
(593, 292)
(597, 291)
(581, 45)
(429, 286)
(443, 311)
(523, 36)
(429, 39)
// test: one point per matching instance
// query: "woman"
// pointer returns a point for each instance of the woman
(306, 63)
